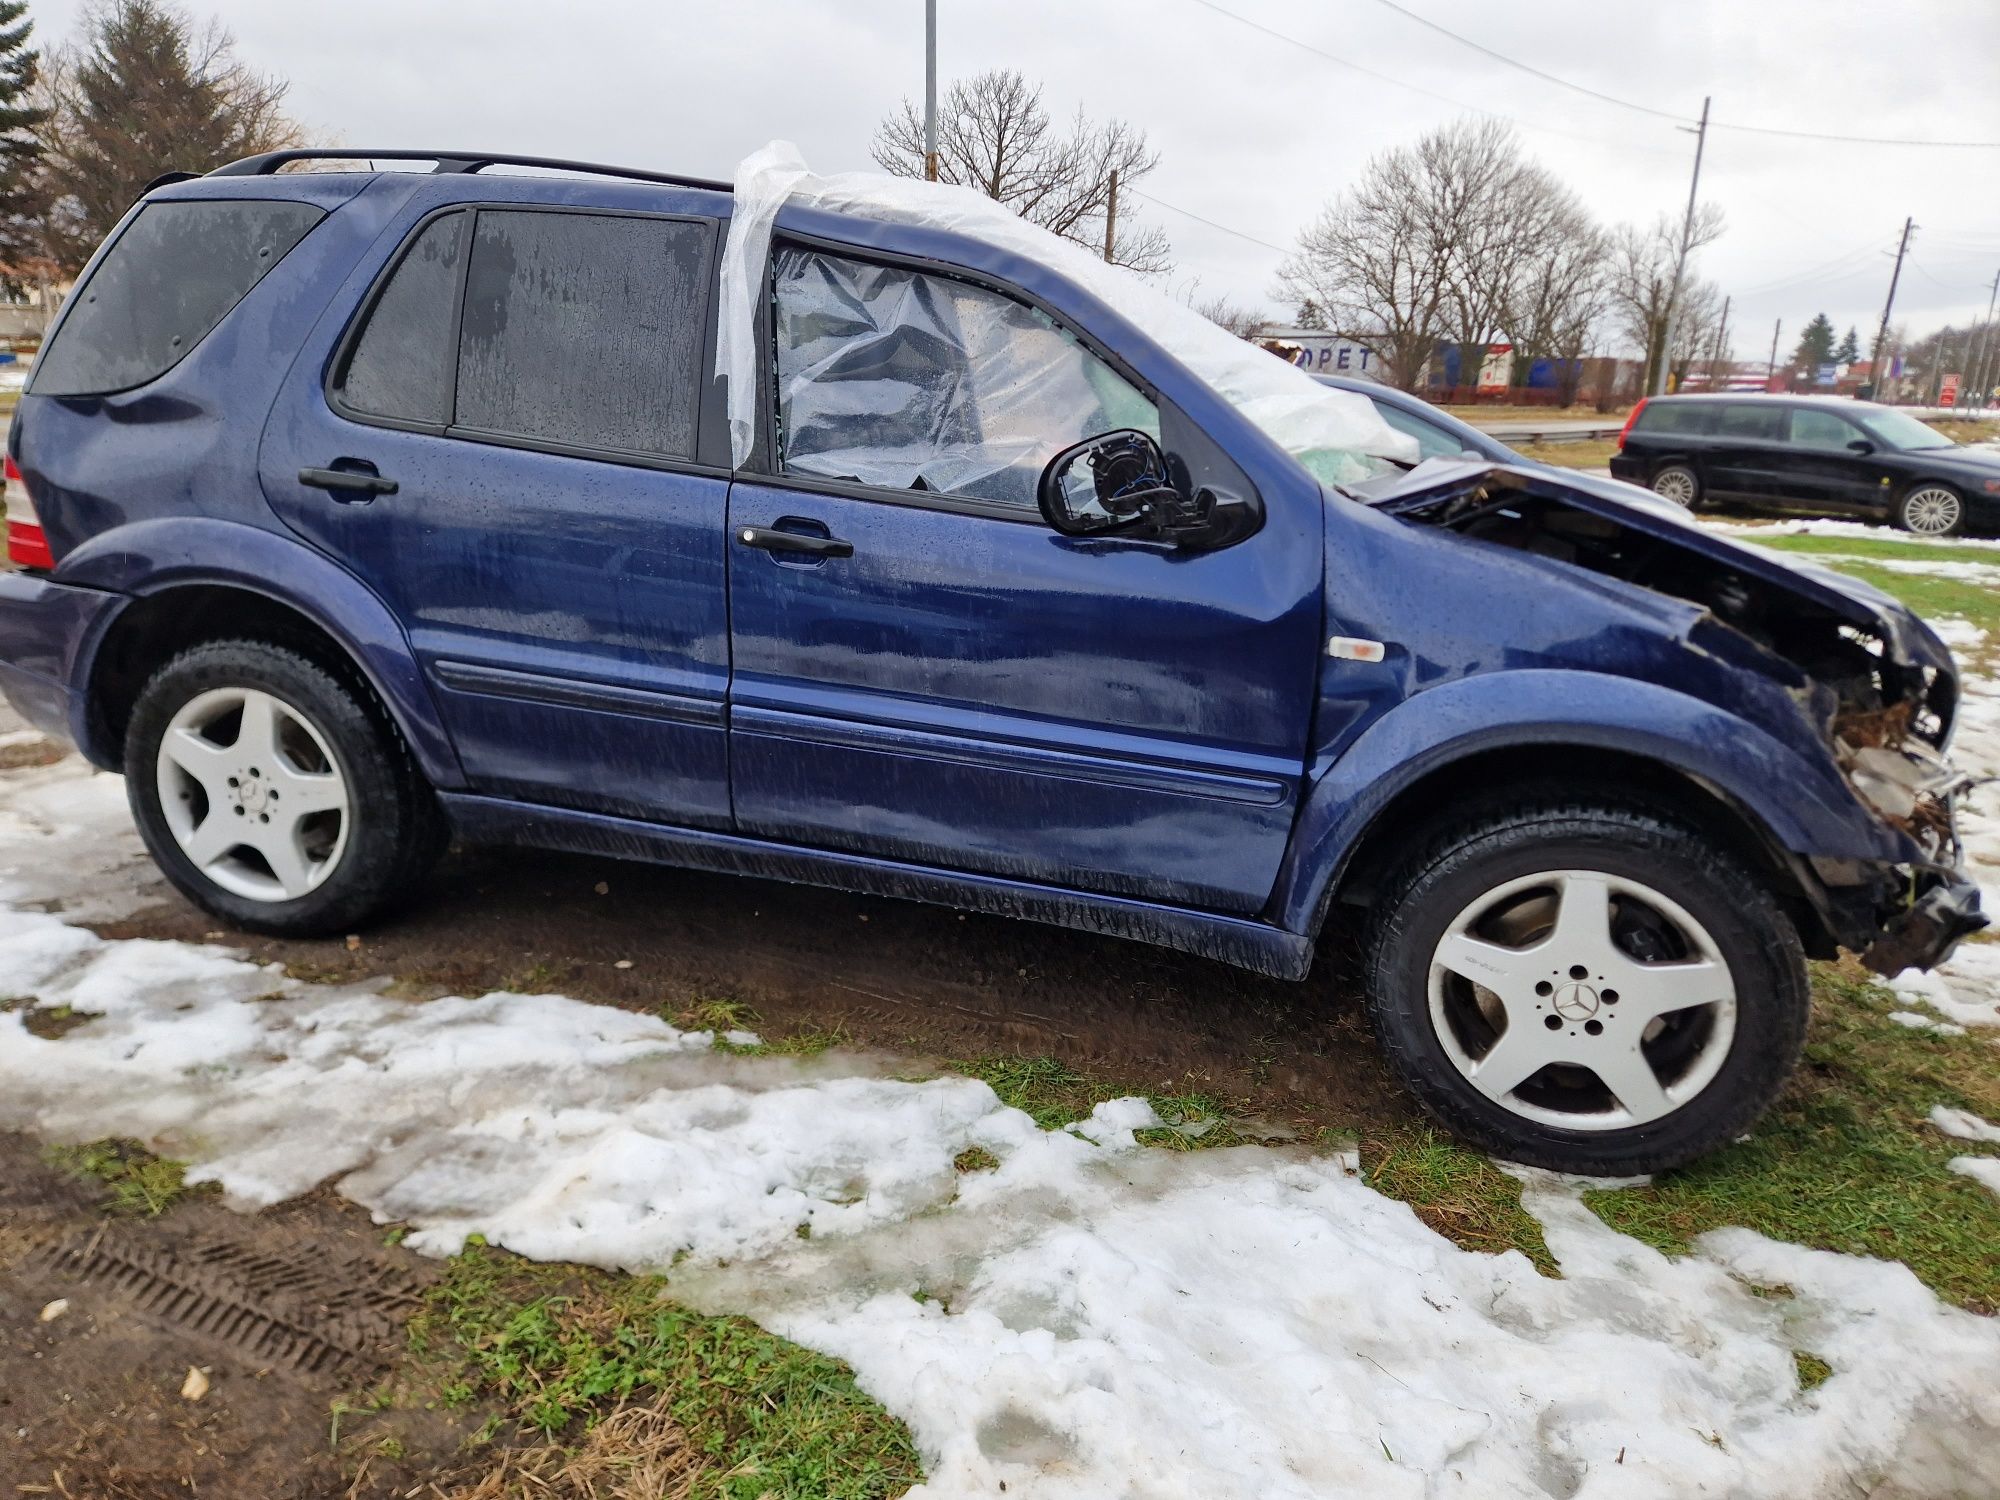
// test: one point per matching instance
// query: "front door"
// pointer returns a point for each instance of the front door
(529, 381)
(926, 672)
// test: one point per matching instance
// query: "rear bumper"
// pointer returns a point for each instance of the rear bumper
(47, 631)
(1628, 469)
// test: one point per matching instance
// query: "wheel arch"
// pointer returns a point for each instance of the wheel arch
(197, 580)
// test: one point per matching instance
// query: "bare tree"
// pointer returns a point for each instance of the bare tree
(1642, 279)
(1374, 265)
(1696, 316)
(1219, 310)
(1559, 288)
(996, 135)
(144, 91)
(1480, 190)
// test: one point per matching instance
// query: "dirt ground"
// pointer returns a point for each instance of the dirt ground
(283, 1313)
(886, 973)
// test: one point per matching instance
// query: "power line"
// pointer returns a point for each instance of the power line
(1188, 213)
(1379, 77)
(1661, 114)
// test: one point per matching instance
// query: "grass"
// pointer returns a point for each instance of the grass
(1845, 1160)
(1814, 1372)
(139, 1183)
(1455, 1190)
(1965, 429)
(1591, 453)
(1927, 594)
(1477, 414)
(561, 1349)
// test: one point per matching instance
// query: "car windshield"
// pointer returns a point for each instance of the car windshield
(1895, 429)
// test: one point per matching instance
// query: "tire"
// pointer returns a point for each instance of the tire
(1928, 508)
(1678, 483)
(1679, 900)
(361, 826)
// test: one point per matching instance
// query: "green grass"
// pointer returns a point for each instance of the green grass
(559, 1347)
(1585, 453)
(1455, 1190)
(139, 1183)
(1814, 1372)
(1933, 597)
(1845, 1160)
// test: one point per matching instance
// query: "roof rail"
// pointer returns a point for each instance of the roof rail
(454, 161)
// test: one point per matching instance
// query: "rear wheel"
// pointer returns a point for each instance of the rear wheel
(1587, 988)
(1931, 510)
(273, 794)
(1678, 483)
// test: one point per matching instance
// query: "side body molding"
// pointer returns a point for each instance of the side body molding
(1800, 800)
(148, 557)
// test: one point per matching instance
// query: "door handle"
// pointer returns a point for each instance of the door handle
(359, 482)
(771, 539)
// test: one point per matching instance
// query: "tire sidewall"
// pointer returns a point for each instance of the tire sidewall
(355, 741)
(1766, 966)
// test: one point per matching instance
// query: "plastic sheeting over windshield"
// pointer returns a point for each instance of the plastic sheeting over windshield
(909, 381)
(1333, 433)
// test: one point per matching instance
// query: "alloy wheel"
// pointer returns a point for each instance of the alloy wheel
(253, 795)
(1676, 485)
(1932, 510)
(1582, 1000)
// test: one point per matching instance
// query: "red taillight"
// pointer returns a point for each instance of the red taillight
(27, 543)
(1621, 431)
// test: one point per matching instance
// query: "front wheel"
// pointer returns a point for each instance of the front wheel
(273, 794)
(1931, 510)
(1587, 988)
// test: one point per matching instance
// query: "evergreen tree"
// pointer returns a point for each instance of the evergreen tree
(1849, 350)
(20, 150)
(146, 92)
(1310, 316)
(1815, 344)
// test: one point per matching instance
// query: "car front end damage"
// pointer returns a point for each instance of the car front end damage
(1877, 688)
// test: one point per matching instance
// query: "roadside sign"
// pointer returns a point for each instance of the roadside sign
(1948, 389)
(1826, 375)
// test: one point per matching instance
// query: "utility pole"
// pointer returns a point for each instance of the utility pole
(1878, 367)
(1721, 344)
(1771, 372)
(930, 90)
(1680, 264)
(1111, 216)
(1981, 348)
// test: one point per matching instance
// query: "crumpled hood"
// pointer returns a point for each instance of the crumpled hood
(1908, 638)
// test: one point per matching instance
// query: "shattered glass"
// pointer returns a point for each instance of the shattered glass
(907, 381)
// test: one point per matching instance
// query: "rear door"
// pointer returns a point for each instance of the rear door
(944, 680)
(530, 381)
(1744, 450)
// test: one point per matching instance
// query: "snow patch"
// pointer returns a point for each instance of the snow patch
(1963, 1124)
(1916, 1022)
(1984, 1170)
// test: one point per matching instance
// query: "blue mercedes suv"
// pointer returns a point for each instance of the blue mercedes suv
(356, 510)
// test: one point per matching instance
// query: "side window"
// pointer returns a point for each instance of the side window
(1683, 417)
(176, 271)
(1432, 441)
(1821, 429)
(1761, 423)
(401, 365)
(908, 381)
(584, 330)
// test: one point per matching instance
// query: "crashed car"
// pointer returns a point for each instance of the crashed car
(851, 531)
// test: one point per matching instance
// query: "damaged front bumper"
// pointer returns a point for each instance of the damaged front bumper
(1945, 911)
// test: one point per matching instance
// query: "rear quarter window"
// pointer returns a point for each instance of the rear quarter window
(173, 274)
(1675, 417)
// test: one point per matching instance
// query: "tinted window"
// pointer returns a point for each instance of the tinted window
(402, 362)
(585, 330)
(906, 381)
(1432, 441)
(1765, 423)
(1821, 429)
(172, 276)
(1675, 416)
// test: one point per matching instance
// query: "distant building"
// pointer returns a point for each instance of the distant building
(1322, 352)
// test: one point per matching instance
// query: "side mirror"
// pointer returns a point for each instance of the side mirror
(1120, 484)
(1861, 445)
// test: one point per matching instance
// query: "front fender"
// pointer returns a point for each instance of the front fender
(149, 557)
(1800, 798)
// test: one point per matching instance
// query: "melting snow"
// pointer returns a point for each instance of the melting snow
(1964, 1124)
(1098, 1318)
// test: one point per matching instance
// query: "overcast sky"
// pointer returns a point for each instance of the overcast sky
(1254, 132)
